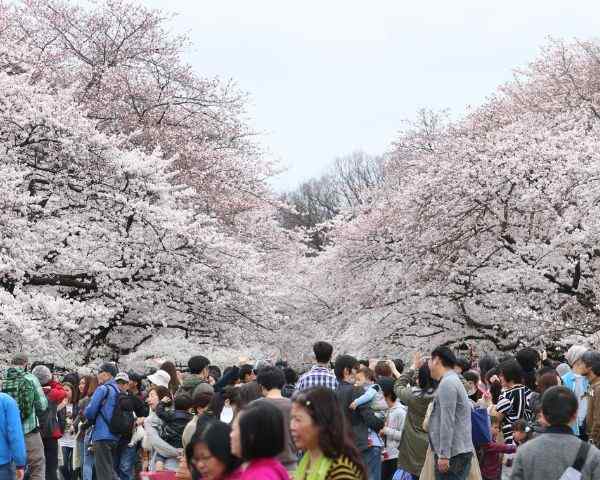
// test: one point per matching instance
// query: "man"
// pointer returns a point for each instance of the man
(550, 454)
(363, 421)
(247, 374)
(319, 375)
(99, 413)
(198, 367)
(12, 441)
(592, 364)
(450, 421)
(578, 384)
(27, 391)
(271, 380)
(133, 407)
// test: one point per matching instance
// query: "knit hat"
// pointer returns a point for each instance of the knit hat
(110, 368)
(575, 353)
(43, 374)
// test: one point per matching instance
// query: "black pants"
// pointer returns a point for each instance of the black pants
(104, 454)
(51, 454)
(388, 468)
(67, 468)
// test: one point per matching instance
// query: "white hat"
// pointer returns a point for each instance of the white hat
(575, 353)
(160, 378)
(122, 377)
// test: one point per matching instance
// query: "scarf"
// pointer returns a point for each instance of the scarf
(317, 472)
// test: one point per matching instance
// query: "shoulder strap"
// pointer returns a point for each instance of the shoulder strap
(581, 456)
(103, 403)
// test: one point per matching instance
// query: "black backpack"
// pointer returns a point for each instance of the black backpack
(48, 420)
(122, 420)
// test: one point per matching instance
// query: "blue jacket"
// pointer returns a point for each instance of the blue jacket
(12, 440)
(100, 409)
(579, 386)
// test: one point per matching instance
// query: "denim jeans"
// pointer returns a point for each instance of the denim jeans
(87, 470)
(372, 459)
(125, 460)
(7, 472)
(460, 465)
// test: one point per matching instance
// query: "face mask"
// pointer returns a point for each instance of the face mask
(227, 414)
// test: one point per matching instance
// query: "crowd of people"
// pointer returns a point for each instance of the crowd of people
(521, 417)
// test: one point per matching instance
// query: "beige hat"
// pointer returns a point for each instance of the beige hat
(575, 353)
(160, 378)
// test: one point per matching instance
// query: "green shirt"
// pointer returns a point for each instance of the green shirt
(25, 388)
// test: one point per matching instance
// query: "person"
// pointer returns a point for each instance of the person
(198, 368)
(513, 403)
(291, 379)
(490, 454)
(248, 392)
(392, 431)
(547, 379)
(522, 432)
(416, 395)
(26, 390)
(472, 383)
(68, 411)
(158, 448)
(247, 374)
(257, 438)
(530, 360)
(320, 429)
(174, 382)
(126, 453)
(212, 458)
(13, 457)
(49, 425)
(319, 375)
(450, 421)
(174, 421)
(215, 373)
(549, 455)
(461, 365)
(362, 419)
(592, 363)
(271, 380)
(83, 458)
(99, 412)
(382, 370)
(372, 396)
(160, 378)
(576, 382)
(201, 402)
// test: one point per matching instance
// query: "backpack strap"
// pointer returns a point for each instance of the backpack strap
(103, 403)
(582, 454)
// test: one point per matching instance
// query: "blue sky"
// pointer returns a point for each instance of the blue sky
(328, 77)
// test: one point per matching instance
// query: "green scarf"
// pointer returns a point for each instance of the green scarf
(317, 472)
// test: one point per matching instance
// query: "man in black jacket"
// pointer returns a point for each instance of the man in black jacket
(362, 419)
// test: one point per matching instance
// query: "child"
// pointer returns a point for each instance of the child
(489, 455)
(174, 421)
(522, 432)
(373, 395)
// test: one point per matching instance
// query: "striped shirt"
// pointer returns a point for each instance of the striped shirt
(317, 376)
(513, 404)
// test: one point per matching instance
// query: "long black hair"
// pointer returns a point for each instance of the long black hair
(261, 431)
(334, 432)
(215, 436)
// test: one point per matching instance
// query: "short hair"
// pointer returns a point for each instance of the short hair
(445, 355)
(463, 363)
(183, 402)
(271, 378)
(512, 371)
(291, 377)
(261, 431)
(323, 352)
(547, 381)
(387, 388)
(201, 399)
(486, 363)
(382, 369)
(528, 358)
(559, 406)
(248, 393)
(245, 370)
(471, 376)
(399, 363)
(368, 373)
(197, 364)
(233, 377)
(342, 363)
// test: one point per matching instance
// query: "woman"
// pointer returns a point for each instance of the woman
(212, 458)
(152, 426)
(394, 426)
(320, 429)
(257, 438)
(82, 457)
(174, 382)
(414, 442)
(68, 411)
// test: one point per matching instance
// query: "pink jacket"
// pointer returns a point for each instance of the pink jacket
(265, 469)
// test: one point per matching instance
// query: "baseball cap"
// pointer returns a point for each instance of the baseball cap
(122, 377)
(108, 367)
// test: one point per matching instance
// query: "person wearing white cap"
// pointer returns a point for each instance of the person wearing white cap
(160, 378)
(576, 381)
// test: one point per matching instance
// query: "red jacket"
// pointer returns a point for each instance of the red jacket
(55, 393)
(490, 463)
